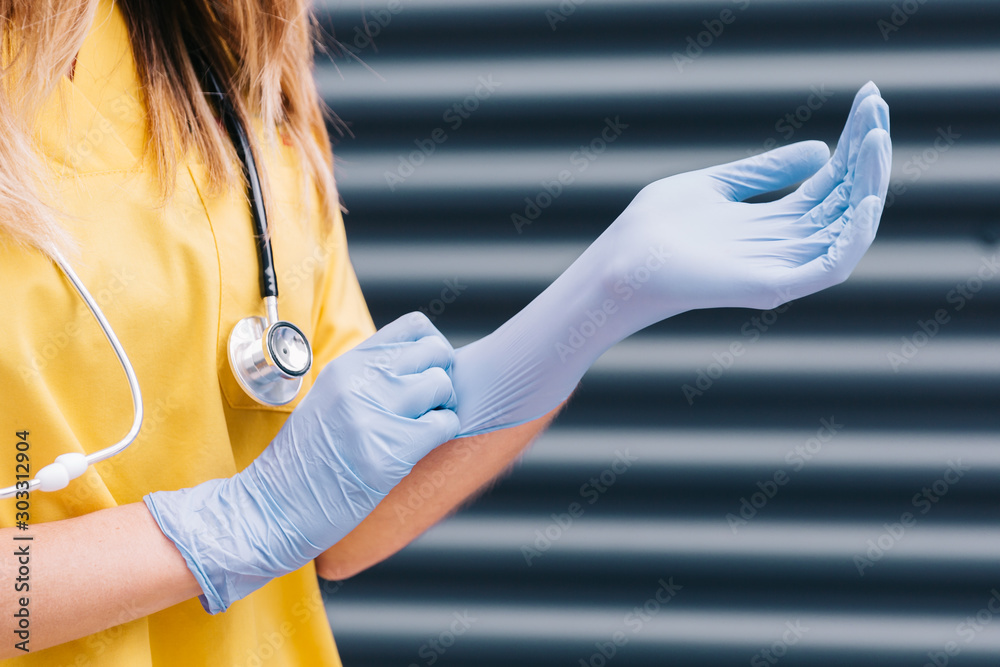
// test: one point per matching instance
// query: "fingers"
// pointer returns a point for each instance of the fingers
(833, 267)
(864, 168)
(873, 113)
(415, 395)
(826, 211)
(423, 435)
(410, 327)
(843, 144)
(436, 428)
(840, 246)
(769, 171)
(418, 368)
(868, 112)
(410, 344)
(428, 352)
(427, 400)
(873, 167)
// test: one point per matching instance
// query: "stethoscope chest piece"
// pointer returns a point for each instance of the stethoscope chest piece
(269, 360)
(268, 356)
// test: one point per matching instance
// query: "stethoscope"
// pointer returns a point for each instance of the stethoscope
(268, 355)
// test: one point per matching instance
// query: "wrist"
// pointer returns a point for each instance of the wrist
(534, 361)
(182, 519)
(215, 527)
(612, 291)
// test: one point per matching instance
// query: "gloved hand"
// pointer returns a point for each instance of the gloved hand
(371, 415)
(687, 242)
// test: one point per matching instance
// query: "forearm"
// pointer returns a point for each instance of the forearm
(685, 243)
(533, 361)
(503, 402)
(91, 573)
(438, 484)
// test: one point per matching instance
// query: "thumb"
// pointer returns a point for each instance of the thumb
(769, 171)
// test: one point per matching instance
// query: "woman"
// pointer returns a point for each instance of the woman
(116, 157)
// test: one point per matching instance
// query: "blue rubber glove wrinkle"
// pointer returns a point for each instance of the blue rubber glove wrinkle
(687, 242)
(370, 416)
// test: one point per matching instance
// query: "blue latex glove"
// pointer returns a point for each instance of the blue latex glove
(371, 415)
(684, 243)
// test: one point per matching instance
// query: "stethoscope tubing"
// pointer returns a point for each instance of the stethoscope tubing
(126, 364)
(237, 134)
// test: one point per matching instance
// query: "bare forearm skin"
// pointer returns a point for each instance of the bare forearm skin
(90, 573)
(437, 485)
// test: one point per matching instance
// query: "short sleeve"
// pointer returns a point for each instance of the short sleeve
(342, 317)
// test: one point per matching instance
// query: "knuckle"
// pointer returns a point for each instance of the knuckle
(438, 376)
(452, 423)
(417, 320)
(871, 102)
(439, 345)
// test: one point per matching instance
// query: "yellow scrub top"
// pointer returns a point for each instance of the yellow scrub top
(172, 278)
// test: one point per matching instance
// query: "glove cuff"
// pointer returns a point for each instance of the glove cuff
(213, 527)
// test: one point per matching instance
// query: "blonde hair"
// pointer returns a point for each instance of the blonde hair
(260, 50)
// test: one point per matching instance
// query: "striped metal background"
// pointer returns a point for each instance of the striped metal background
(856, 431)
